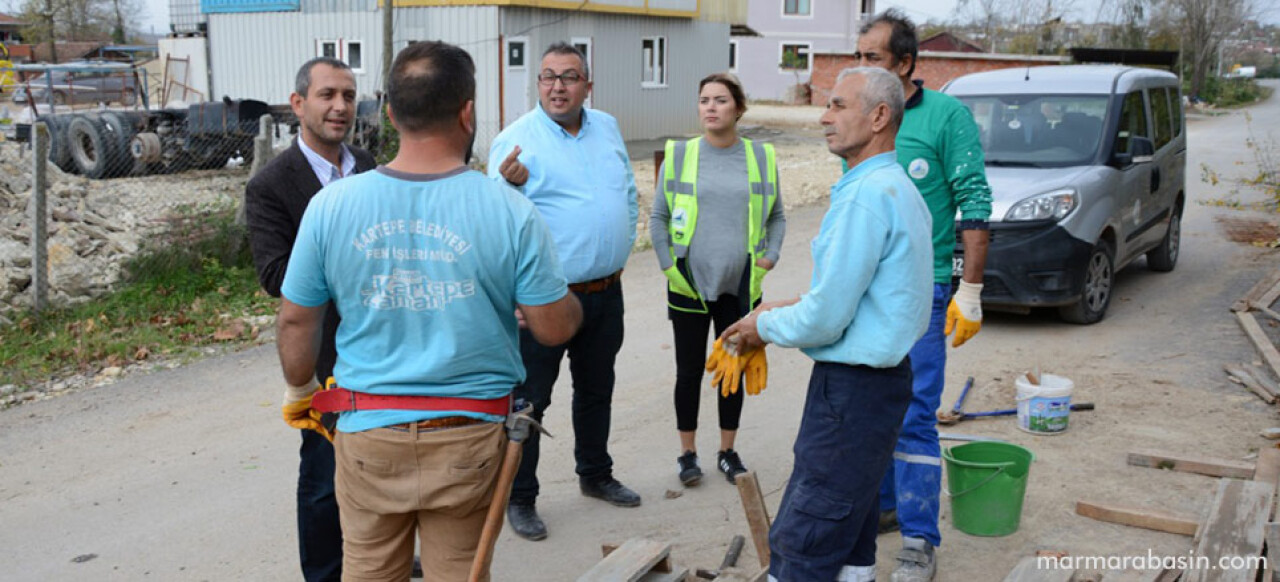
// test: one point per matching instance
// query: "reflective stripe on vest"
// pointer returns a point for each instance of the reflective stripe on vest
(682, 198)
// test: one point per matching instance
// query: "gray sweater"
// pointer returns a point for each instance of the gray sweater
(718, 251)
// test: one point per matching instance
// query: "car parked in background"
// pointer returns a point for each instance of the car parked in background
(1087, 171)
(81, 82)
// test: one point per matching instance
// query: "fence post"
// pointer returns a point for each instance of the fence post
(39, 216)
(262, 153)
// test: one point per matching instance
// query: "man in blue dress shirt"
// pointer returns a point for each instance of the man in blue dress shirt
(571, 162)
(868, 303)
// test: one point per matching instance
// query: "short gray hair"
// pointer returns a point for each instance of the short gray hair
(563, 48)
(881, 87)
(302, 83)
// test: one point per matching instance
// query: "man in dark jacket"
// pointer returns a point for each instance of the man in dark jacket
(275, 199)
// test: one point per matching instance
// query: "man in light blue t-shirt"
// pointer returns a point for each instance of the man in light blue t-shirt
(427, 262)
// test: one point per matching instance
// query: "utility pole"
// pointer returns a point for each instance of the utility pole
(53, 33)
(387, 54)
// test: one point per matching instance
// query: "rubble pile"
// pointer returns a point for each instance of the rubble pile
(94, 226)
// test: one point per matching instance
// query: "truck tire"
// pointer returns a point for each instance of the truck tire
(120, 128)
(59, 150)
(92, 146)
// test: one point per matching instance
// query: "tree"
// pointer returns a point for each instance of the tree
(79, 20)
(1203, 25)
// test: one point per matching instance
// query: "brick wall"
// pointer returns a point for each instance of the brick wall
(935, 68)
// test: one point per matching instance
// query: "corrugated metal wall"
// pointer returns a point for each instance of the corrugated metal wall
(695, 49)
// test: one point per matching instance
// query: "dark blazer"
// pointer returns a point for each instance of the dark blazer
(274, 201)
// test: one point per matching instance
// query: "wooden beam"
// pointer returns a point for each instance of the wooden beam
(1263, 378)
(1027, 571)
(1143, 518)
(1270, 355)
(1235, 527)
(757, 514)
(1262, 287)
(1239, 375)
(1192, 464)
(1272, 535)
(1268, 470)
(629, 562)
(663, 565)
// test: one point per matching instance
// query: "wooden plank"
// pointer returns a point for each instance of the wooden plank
(1144, 518)
(629, 562)
(734, 574)
(1240, 375)
(1234, 529)
(675, 575)
(1211, 466)
(1272, 534)
(1263, 378)
(1267, 298)
(1134, 575)
(663, 565)
(1268, 470)
(1270, 355)
(1262, 287)
(757, 514)
(1027, 570)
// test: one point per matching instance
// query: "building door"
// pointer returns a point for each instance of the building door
(583, 44)
(515, 85)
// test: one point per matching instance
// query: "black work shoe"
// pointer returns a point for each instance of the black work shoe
(888, 522)
(731, 465)
(524, 520)
(690, 473)
(609, 489)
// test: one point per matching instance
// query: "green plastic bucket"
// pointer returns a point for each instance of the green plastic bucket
(986, 482)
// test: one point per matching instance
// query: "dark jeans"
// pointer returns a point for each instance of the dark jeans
(592, 352)
(319, 531)
(690, 330)
(829, 514)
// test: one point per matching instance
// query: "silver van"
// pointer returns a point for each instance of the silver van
(1087, 172)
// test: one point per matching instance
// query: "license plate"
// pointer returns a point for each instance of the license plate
(957, 266)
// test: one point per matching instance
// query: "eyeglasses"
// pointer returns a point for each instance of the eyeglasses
(568, 78)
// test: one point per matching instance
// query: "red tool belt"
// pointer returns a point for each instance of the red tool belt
(342, 400)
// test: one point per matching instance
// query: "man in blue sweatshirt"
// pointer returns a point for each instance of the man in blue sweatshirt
(868, 302)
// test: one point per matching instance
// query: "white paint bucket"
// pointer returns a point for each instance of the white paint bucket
(1044, 408)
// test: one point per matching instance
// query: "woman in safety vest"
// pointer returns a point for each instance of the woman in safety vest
(726, 188)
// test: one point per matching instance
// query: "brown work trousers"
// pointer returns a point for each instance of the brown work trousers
(396, 481)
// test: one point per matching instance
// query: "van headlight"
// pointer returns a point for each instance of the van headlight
(1054, 205)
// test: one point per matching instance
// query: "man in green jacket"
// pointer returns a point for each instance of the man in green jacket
(939, 147)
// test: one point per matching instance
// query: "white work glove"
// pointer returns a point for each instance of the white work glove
(964, 315)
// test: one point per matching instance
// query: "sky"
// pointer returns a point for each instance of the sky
(920, 10)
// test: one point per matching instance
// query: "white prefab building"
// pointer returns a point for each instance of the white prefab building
(646, 56)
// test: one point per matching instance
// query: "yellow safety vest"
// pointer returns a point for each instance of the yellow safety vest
(681, 189)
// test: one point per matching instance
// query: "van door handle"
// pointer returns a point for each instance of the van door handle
(1155, 180)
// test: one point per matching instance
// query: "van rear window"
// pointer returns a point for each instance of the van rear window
(1039, 130)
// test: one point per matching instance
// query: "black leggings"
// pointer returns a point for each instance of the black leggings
(691, 357)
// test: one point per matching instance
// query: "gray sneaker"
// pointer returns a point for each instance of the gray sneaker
(915, 562)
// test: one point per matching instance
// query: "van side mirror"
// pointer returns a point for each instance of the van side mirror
(1141, 151)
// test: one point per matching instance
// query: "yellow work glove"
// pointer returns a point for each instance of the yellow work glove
(727, 367)
(964, 315)
(297, 411)
(756, 367)
(678, 283)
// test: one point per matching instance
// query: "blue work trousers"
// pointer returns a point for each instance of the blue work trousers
(592, 352)
(914, 483)
(319, 530)
(828, 516)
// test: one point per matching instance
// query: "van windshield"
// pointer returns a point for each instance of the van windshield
(1043, 131)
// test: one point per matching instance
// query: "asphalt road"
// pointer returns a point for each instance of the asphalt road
(188, 474)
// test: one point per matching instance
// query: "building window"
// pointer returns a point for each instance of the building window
(795, 8)
(733, 55)
(794, 57)
(653, 58)
(515, 54)
(355, 56)
(327, 48)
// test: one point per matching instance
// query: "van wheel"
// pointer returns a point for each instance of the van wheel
(1099, 276)
(1165, 257)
